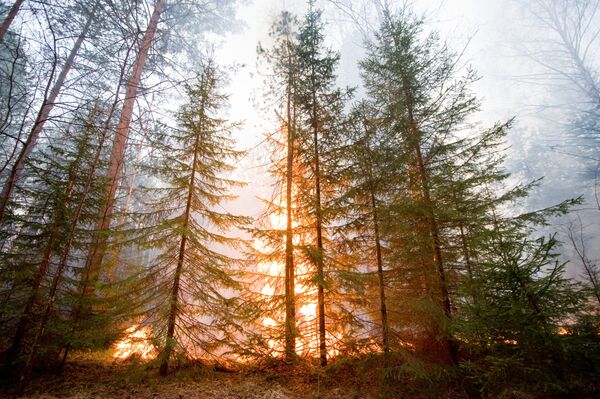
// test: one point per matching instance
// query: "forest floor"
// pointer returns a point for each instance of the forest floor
(100, 378)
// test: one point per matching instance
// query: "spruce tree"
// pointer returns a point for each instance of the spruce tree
(275, 242)
(366, 172)
(192, 272)
(320, 118)
(45, 252)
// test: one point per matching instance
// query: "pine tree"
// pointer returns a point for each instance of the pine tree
(523, 301)
(52, 91)
(366, 174)
(283, 63)
(412, 81)
(119, 144)
(12, 13)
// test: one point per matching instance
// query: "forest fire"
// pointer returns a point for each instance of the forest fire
(136, 342)
(225, 191)
(306, 300)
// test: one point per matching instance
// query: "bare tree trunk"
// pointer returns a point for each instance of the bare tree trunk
(119, 146)
(383, 309)
(320, 254)
(42, 117)
(9, 110)
(290, 307)
(174, 300)
(590, 268)
(12, 13)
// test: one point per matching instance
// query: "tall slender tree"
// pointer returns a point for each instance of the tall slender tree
(46, 107)
(12, 13)
(119, 144)
(412, 81)
(320, 107)
(193, 278)
(367, 181)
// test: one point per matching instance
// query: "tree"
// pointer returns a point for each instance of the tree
(45, 250)
(566, 54)
(12, 13)
(566, 49)
(48, 103)
(367, 181)
(320, 107)
(193, 279)
(412, 81)
(514, 329)
(120, 140)
(283, 62)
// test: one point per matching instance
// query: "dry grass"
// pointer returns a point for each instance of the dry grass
(96, 376)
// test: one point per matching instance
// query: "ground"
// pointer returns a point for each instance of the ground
(93, 377)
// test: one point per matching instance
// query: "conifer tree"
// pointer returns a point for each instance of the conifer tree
(194, 276)
(52, 91)
(320, 107)
(283, 63)
(449, 184)
(119, 143)
(367, 180)
(516, 327)
(412, 81)
(53, 228)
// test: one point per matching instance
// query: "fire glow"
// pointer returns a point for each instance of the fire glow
(136, 342)
(307, 340)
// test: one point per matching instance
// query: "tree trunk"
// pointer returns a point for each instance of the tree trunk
(24, 376)
(119, 146)
(319, 228)
(383, 309)
(27, 315)
(88, 184)
(164, 365)
(26, 372)
(290, 306)
(42, 117)
(12, 353)
(12, 13)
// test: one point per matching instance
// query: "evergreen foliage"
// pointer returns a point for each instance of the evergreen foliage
(193, 275)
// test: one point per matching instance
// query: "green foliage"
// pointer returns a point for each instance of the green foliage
(45, 237)
(188, 287)
(511, 326)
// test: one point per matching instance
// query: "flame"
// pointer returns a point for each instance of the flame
(306, 317)
(562, 331)
(135, 343)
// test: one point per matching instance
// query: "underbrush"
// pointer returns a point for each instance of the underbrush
(407, 375)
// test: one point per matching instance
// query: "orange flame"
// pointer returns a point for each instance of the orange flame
(307, 341)
(136, 342)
